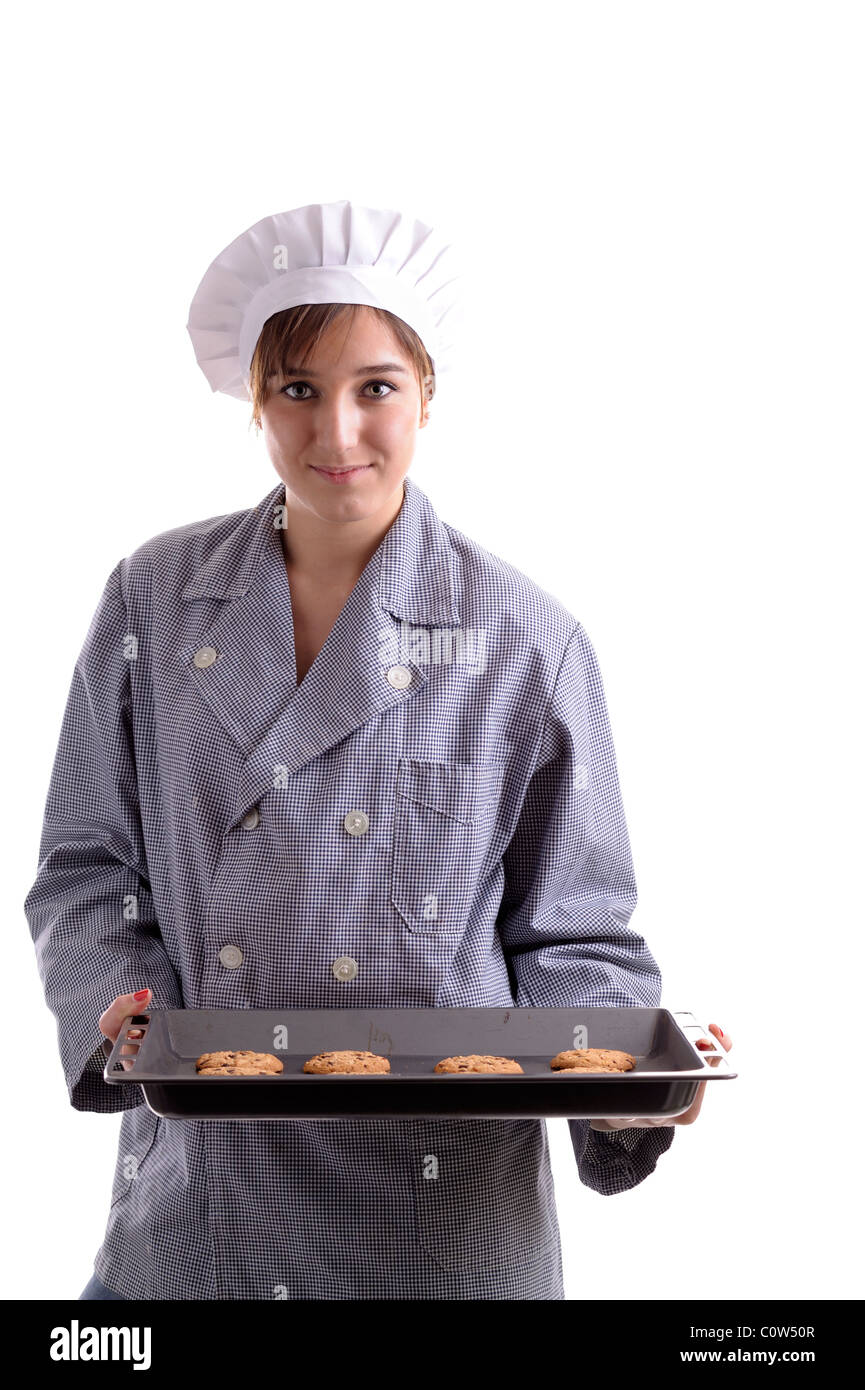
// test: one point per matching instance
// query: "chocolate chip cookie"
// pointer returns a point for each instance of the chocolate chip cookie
(593, 1059)
(238, 1064)
(478, 1062)
(346, 1063)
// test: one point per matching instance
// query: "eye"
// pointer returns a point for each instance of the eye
(388, 387)
(304, 385)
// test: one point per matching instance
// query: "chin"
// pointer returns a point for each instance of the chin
(344, 503)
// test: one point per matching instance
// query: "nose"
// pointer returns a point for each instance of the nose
(337, 425)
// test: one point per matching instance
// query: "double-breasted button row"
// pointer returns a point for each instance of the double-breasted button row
(356, 822)
(344, 967)
(400, 677)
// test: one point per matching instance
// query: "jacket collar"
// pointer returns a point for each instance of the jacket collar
(417, 578)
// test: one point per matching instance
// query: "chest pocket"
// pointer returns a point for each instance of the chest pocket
(444, 816)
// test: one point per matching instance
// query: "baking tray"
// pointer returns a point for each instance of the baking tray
(161, 1060)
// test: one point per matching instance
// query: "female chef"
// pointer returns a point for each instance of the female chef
(329, 752)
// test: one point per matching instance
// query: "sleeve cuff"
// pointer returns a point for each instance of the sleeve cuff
(90, 1091)
(618, 1160)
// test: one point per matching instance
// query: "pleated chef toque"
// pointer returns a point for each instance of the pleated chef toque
(324, 253)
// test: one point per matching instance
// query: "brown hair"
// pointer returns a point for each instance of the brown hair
(290, 337)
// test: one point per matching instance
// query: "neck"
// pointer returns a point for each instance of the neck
(326, 553)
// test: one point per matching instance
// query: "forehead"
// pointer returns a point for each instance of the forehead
(350, 348)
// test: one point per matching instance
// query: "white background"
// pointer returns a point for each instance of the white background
(658, 417)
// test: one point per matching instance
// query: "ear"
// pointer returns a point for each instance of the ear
(429, 390)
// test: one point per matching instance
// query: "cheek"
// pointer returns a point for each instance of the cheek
(397, 430)
(281, 427)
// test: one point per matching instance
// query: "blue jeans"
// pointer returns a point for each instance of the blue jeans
(96, 1289)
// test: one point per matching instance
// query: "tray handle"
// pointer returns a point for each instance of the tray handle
(118, 1060)
(695, 1028)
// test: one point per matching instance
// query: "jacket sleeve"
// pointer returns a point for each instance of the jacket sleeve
(569, 893)
(90, 909)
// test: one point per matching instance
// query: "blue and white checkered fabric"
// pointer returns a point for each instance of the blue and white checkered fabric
(459, 707)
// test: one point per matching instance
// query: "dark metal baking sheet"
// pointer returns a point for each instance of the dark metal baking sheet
(668, 1070)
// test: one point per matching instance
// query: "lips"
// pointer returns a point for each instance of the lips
(340, 475)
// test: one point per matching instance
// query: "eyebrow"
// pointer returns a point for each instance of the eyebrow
(361, 371)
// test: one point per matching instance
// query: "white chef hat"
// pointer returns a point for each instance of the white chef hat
(324, 253)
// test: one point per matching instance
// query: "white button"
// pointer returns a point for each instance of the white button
(251, 819)
(344, 968)
(205, 656)
(231, 957)
(356, 822)
(399, 677)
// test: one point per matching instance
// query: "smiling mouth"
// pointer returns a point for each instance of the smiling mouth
(341, 472)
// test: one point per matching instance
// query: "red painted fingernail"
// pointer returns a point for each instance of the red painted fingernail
(142, 994)
(720, 1031)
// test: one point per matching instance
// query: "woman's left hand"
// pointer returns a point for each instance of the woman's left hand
(690, 1115)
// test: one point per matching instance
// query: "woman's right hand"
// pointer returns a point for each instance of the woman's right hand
(119, 1009)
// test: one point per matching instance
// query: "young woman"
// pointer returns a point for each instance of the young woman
(329, 752)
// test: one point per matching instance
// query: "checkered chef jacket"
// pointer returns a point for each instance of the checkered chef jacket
(458, 706)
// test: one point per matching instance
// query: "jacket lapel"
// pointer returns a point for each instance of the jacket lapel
(409, 581)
